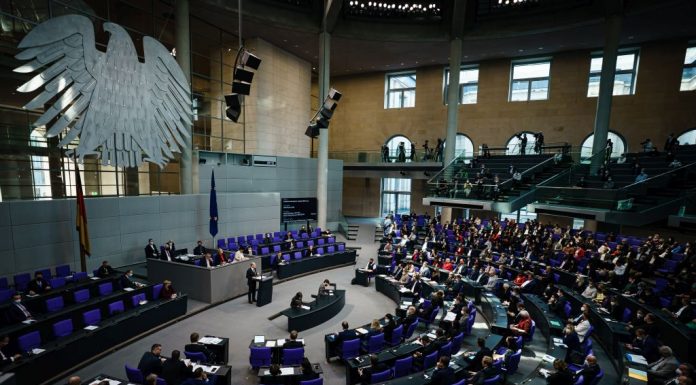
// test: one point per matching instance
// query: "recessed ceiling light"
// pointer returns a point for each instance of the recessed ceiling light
(630, 38)
(540, 48)
(520, 50)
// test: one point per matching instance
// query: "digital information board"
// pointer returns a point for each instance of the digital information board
(298, 209)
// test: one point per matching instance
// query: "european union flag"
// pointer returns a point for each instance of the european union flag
(213, 207)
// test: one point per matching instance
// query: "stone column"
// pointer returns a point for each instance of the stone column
(323, 152)
(183, 57)
(452, 111)
(606, 89)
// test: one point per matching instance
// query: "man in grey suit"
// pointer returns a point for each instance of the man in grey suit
(663, 369)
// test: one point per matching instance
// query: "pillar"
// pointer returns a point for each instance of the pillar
(606, 89)
(455, 61)
(183, 57)
(323, 151)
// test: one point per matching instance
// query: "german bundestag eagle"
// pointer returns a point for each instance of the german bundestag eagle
(123, 110)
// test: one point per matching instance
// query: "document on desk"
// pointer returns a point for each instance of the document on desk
(638, 374)
(259, 339)
(210, 340)
(128, 289)
(361, 330)
(305, 307)
(280, 342)
(450, 316)
(94, 278)
(270, 344)
(37, 350)
(287, 371)
(301, 340)
(636, 359)
(404, 290)
(206, 368)
(91, 327)
(28, 321)
(111, 382)
(548, 358)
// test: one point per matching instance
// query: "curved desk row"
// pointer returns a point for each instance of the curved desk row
(307, 265)
(320, 310)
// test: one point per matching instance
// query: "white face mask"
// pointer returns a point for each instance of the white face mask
(678, 371)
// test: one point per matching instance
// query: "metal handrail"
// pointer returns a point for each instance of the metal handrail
(662, 175)
(459, 159)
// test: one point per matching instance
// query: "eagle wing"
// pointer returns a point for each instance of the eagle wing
(169, 98)
(63, 49)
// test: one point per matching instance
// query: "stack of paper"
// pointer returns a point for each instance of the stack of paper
(305, 307)
(206, 368)
(213, 340)
(404, 290)
(450, 316)
(638, 374)
(128, 289)
(636, 358)
(280, 342)
(270, 344)
(37, 350)
(259, 339)
(91, 327)
(361, 330)
(111, 382)
(548, 358)
(557, 340)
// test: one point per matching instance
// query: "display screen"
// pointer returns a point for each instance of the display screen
(298, 209)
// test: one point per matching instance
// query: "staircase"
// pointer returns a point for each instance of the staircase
(352, 232)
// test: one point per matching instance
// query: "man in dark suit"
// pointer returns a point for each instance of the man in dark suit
(410, 318)
(645, 345)
(174, 370)
(293, 343)
(371, 266)
(167, 253)
(6, 357)
(105, 270)
(424, 310)
(38, 285)
(483, 351)
(17, 312)
(398, 270)
(151, 361)
(589, 370)
(251, 275)
(197, 347)
(198, 250)
(487, 371)
(127, 280)
(346, 334)
(375, 367)
(428, 348)
(151, 250)
(443, 374)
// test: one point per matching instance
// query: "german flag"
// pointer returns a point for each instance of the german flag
(81, 220)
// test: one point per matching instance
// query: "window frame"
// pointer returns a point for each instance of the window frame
(692, 44)
(633, 71)
(445, 83)
(388, 91)
(536, 60)
(395, 193)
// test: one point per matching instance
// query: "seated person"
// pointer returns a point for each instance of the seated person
(663, 369)
(151, 361)
(371, 266)
(589, 370)
(443, 374)
(197, 347)
(174, 370)
(239, 256)
(346, 334)
(208, 261)
(562, 376)
(557, 304)
(200, 378)
(167, 254)
(288, 237)
(326, 287)
(428, 348)
(523, 327)
(583, 327)
(375, 328)
(168, 291)
(17, 312)
(127, 281)
(425, 270)
(274, 375)
(424, 310)
(572, 342)
(105, 270)
(307, 371)
(685, 312)
(199, 249)
(6, 356)
(293, 343)
(309, 252)
(151, 250)
(487, 371)
(390, 325)
(410, 318)
(296, 301)
(475, 358)
(38, 285)
(220, 257)
(375, 367)
(398, 271)
(267, 239)
(645, 345)
(509, 348)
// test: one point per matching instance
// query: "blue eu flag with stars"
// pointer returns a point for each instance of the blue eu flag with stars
(213, 207)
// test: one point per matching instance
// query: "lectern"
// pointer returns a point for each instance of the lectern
(264, 293)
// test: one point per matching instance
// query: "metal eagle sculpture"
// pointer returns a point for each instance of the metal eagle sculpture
(123, 110)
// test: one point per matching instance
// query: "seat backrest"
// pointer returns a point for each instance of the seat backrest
(598, 378)
(627, 314)
(430, 360)
(320, 241)
(341, 247)
(567, 309)
(331, 249)
(79, 276)
(397, 333)
(375, 343)
(320, 250)
(350, 349)
(134, 375)
(445, 350)
(29, 341)
(286, 257)
(54, 304)
(81, 295)
(106, 288)
(6, 294)
(293, 356)
(46, 273)
(221, 243)
(62, 270)
(300, 245)
(196, 356)
(91, 317)
(297, 255)
(260, 356)
(63, 328)
(3, 283)
(116, 307)
(495, 380)
(580, 380)
(381, 376)
(265, 250)
(513, 362)
(160, 381)
(457, 342)
(156, 290)
(21, 281)
(136, 299)
(411, 329)
(57, 282)
(461, 382)
(316, 381)
(403, 366)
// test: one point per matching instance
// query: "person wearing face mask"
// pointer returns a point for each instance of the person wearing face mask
(151, 250)
(589, 370)
(6, 357)
(127, 281)
(645, 345)
(683, 375)
(17, 311)
(572, 342)
(199, 249)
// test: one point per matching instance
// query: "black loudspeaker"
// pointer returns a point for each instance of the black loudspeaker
(322, 122)
(242, 75)
(241, 88)
(312, 131)
(250, 60)
(234, 106)
(334, 95)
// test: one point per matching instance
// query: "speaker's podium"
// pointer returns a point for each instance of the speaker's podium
(264, 291)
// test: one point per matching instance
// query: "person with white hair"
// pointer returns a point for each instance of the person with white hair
(524, 326)
(663, 369)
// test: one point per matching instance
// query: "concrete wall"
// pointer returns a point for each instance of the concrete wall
(291, 178)
(37, 234)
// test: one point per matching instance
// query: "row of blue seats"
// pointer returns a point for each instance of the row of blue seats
(241, 241)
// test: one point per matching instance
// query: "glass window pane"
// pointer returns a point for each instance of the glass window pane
(469, 94)
(622, 84)
(593, 87)
(468, 76)
(463, 146)
(540, 90)
(625, 62)
(688, 137)
(596, 64)
(404, 204)
(394, 99)
(688, 80)
(690, 57)
(618, 148)
(393, 145)
(532, 70)
(402, 81)
(519, 90)
(409, 99)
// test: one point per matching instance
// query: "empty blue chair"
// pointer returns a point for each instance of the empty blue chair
(430, 360)
(3, 283)
(626, 315)
(63, 328)
(62, 271)
(320, 251)
(297, 255)
(241, 240)
(91, 317)
(250, 238)
(293, 356)
(349, 349)
(54, 304)
(304, 236)
(29, 341)
(196, 356)
(316, 381)
(597, 378)
(457, 342)
(495, 380)
(513, 362)
(106, 288)
(6, 294)
(221, 244)
(231, 241)
(276, 248)
(380, 377)
(116, 307)
(403, 367)
(136, 299)
(259, 357)
(286, 257)
(341, 247)
(320, 241)
(265, 250)
(331, 249)
(567, 309)
(134, 375)
(156, 290)
(300, 245)
(445, 350)
(397, 333)
(21, 281)
(79, 276)
(259, 237)
(56, 283)
(375, 343)
(411, 328)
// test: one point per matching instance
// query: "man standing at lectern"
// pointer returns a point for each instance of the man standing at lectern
(251, 282)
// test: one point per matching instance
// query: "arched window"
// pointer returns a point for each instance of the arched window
(393, 145)
(513, 144)
(619, 148)
(40, 168)
(462, 147)
(688, 137)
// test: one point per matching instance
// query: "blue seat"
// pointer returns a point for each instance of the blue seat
(63, 328)
(330, 249)
(6, 294)
(116, 307)
(136, 299)
(91, 317)
(62, 271)
(156, 291)
(79, 276)
(374, 344)
(513, 362)
(580, 380)
(286, 257)
(403, 367)
(57, 282)
(528, 338)
(293, 356)
(221, 243)
(46, 273)
(276, 248)
(316, 381)
(457, 342)
(597, 378)
(349, 349)
(134, 375)
(567, 308)
(341, 247)
(411, 328)
(380, 377)
(29, 341)
(445, 350)
(21, 281)
(265, 250)
(196, 356)
(320, 250)
(259, 357)
(3, 283)
(430, 360)
(397, 333)
(106, 288)
(495, 380)
(297, 255)
(300, 245)
(54, 304)
(627, 313)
